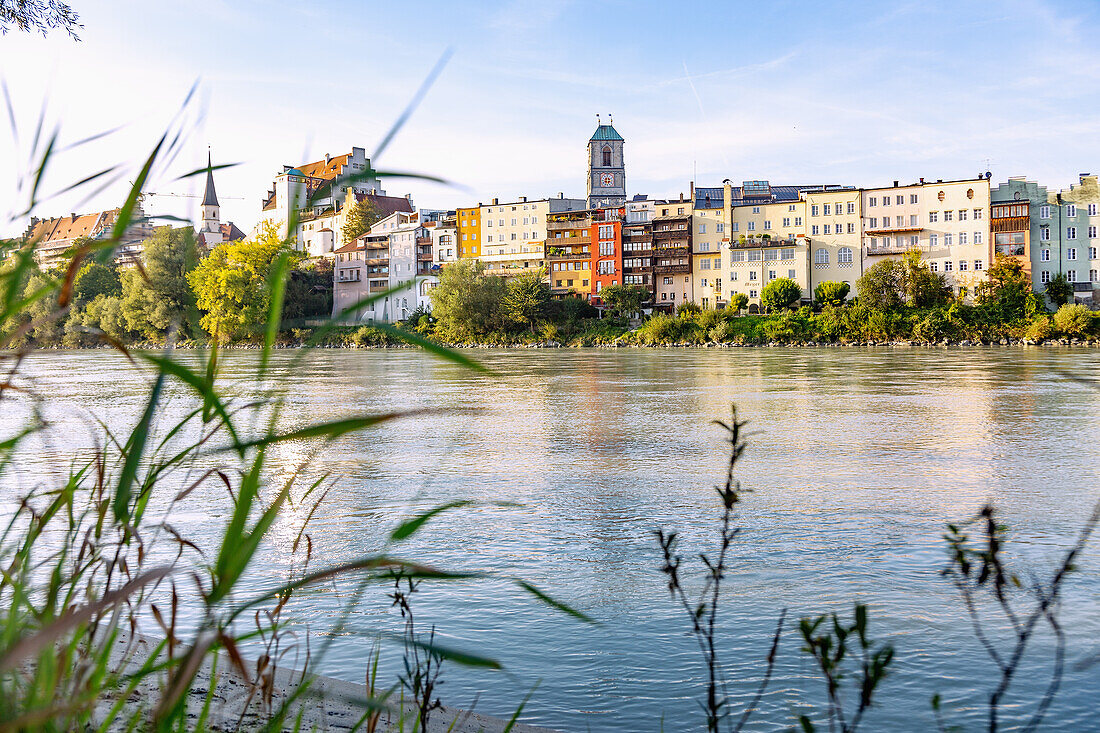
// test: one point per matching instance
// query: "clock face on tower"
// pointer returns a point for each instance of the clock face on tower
(607, 180)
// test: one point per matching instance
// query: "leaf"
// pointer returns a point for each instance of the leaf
(330, 430)
(410, 527)
(277, 279)
(552, 602)
(135, 447)
(427, 344)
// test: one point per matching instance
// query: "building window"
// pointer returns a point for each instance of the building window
(703, 228)
(821, 257)
(607, 156)
(947, 266)
(1044, 234)
(756, 209)
(814, 210)
(934, 266)
(719, 227)
(737, 256)
(752, 293)
(912, 198)
(704, 265)
(978, 265)
(1092, 253)
(962, 265)
(962, 237)
(947, 239)
(1044, 276)
(1071, 275)
(1071, 211)
(827, 229)
(873, 223)
(826, 209)
(977, 237)
(1044, 213)
(1092, 232)
(1092, 276)
(798, 221)
(977, 213)
(962, 214)
(771, 274)
(767, 224)
(843, 255)
(1044, 255)
(717, 263)
(851, 207)
(851, 227)
(786, 221)
(786, 254)
(752, 275)
(1071, 254)
(933, 217)
(814, 230)
(872, 201)
(752, 226)
(1071, 232)
(947, 215)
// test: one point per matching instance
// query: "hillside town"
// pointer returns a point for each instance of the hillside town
(702, 245)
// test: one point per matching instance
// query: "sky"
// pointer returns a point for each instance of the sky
(855, 93)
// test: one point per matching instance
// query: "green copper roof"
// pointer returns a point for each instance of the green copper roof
(606, 132)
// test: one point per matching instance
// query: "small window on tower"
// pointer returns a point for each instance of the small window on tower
(607, 155)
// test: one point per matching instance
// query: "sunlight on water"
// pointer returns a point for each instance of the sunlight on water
(856, 460)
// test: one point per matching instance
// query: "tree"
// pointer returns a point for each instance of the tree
(157, 296)
(921, 287)
(880, 285)
(308, 290)
(42, 16)
(233, 285)
(1059, 290)
(688, 308)
(525, 299)
(780, 293)
(358, 219)
(1006, 289)
(1073, 320)
(467, 302)
(94, 279)
(831, 292)
(624, 300)
(738, 302)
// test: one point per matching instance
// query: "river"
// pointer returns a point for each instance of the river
(856, 459)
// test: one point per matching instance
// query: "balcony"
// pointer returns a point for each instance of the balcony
(761, 243)
(891, 250)
(672, 269)
(377, 261)
(673, 249)
(553, 225)
(554, 254)
(423, 256)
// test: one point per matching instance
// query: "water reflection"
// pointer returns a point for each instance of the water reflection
(857, 459)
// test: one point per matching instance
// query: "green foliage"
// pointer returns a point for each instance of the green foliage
(157, 296)
(881, 285)
(525, 300)
(358, 219)
(232, 286)
(1059, 290)
(1074, 320)
(1007, 290)
(831, 292)
(570, 310)
(662, 328)
(309, 290)
(1040, 329)
(95, 279)
(738, 302)
(467, 303)
(780, 293)
(688, 308)
(625, 300)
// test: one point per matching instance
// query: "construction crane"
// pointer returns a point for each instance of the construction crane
(191, 196)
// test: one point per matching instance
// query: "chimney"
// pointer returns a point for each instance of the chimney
(523, 199)
(327, 159)
(73, 215)
(496, 201)
(561, 194)
(939, 180)
(922, 181)
(895, 184)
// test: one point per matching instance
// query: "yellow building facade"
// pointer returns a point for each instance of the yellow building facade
(834, 236)
(468, 223)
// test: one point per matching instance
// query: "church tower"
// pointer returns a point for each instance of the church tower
(211, 228)
(606, 171)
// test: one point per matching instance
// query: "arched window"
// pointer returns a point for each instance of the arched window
(821, 257)
(607, 155)
(844, 255)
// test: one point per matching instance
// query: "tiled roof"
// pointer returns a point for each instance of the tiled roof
(71, 227)
(386, 205)
(350, 247)
(606, 132)
(323, 169)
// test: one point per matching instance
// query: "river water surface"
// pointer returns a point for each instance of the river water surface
(856, 460)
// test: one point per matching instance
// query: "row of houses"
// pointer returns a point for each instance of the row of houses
(703, 247)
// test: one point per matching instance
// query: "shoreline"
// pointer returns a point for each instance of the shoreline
(965, 343)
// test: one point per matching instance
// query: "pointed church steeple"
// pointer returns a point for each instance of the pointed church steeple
(211, 227)
(211, 197)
